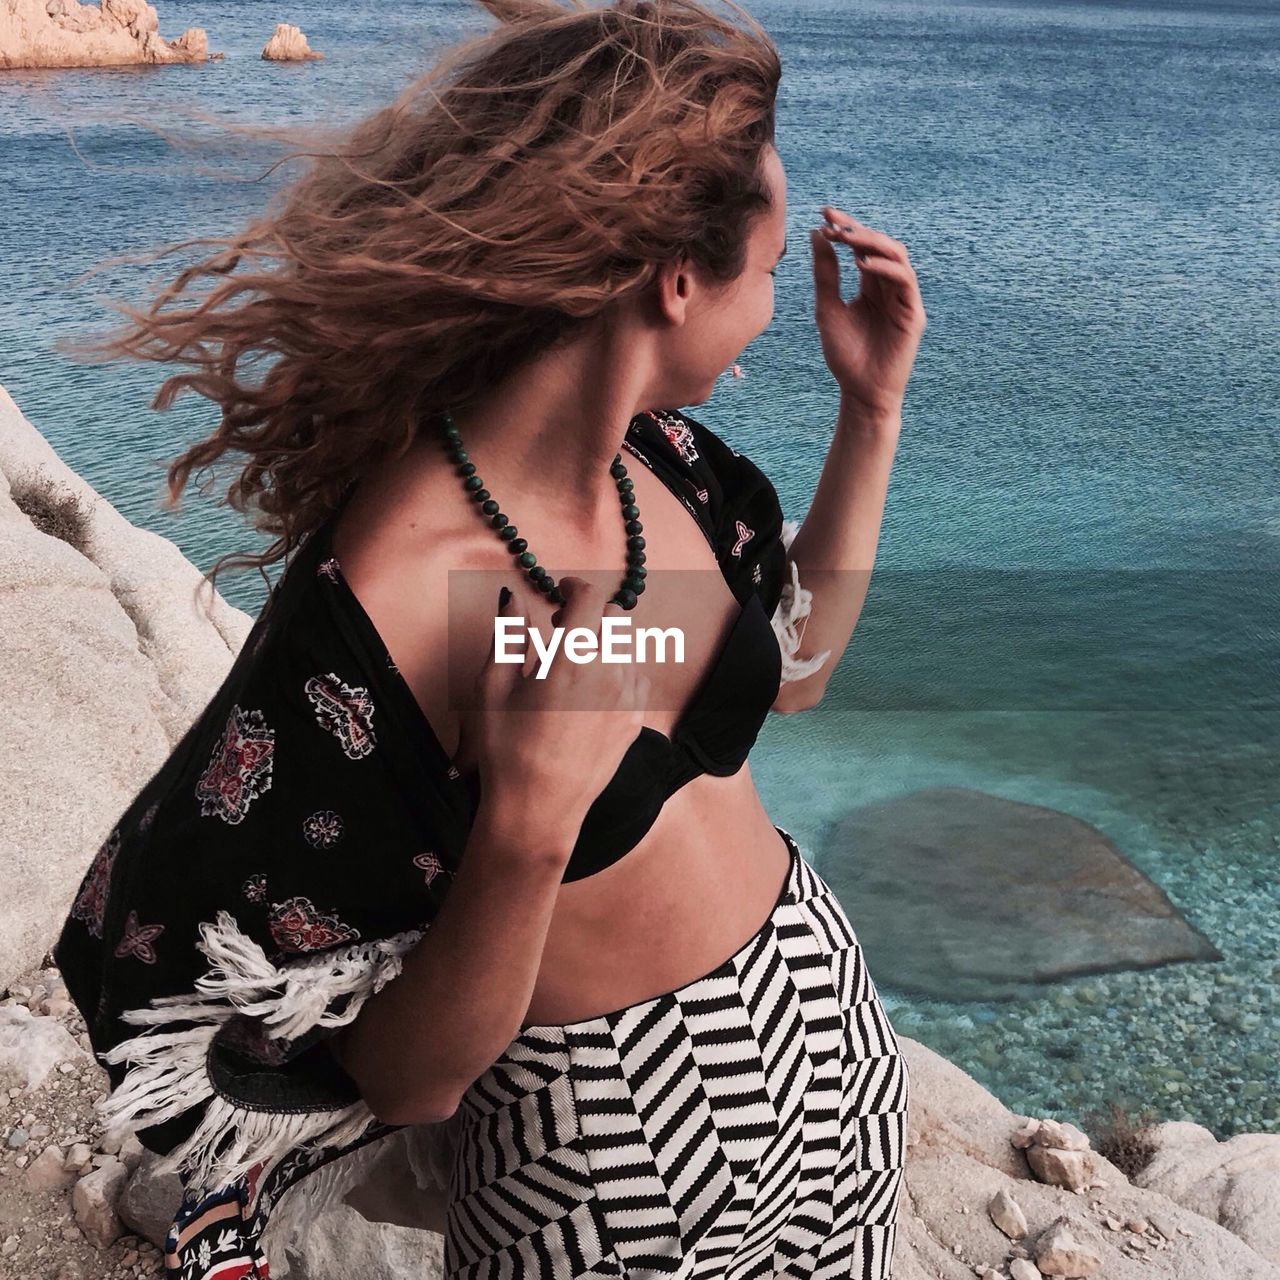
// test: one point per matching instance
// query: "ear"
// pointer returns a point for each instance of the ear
(673, 287)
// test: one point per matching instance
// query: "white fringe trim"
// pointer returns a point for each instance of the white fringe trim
(170, 1075)
(794, 605)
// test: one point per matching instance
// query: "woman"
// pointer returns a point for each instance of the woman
(639, 1013)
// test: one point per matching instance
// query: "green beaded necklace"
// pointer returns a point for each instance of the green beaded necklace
(632, 585)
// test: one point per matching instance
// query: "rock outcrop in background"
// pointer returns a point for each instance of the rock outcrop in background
(65, 33)
(107, 659)
(288, 44)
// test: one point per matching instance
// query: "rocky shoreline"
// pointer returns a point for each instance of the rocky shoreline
(989, 1193)
(65, 33)
(60, 34)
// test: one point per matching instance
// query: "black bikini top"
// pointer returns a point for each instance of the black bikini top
(738, 510)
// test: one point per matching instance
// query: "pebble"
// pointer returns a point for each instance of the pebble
(17, 1138)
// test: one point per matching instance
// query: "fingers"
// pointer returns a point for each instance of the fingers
(493, 669)
(864, 241)
(876, 255)
(583, 606)
(826, 273)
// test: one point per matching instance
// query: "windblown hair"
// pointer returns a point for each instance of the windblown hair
(531, 178)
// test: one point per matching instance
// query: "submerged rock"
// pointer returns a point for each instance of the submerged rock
(964, 895)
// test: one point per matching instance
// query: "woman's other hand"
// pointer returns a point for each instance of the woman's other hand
(870, 342)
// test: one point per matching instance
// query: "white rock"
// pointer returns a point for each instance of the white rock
(47, 1172)
(1066, 1137)
(123, 604)
(1235, 1183)
(93, 1201)
(1059, 1253)
(131, 1151)
(1025, 1135)
(1007, 1214)
(30, 1047)
(1021, 1269)
(1061, 1168)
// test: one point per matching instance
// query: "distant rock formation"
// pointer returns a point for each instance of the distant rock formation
(964, 895)
(288, 44)
(65, 33)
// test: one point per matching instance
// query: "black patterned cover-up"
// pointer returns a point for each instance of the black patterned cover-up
(297, 842)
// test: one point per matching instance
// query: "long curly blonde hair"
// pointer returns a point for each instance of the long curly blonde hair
(533, 176)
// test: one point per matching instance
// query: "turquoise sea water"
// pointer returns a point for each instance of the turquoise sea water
(1090, 196)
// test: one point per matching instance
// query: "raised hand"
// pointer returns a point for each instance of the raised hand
(870, 342)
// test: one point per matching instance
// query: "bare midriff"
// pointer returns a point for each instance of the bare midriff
(701, 882)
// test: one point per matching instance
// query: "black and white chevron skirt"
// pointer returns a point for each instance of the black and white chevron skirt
(751, 1123)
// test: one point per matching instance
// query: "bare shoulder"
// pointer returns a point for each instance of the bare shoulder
(397, 550)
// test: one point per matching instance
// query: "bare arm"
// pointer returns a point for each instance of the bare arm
(465, 987)
(835, 547)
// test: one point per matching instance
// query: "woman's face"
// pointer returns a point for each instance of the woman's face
(717, 321)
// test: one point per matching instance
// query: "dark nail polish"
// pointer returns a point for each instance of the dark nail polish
(503, 596)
